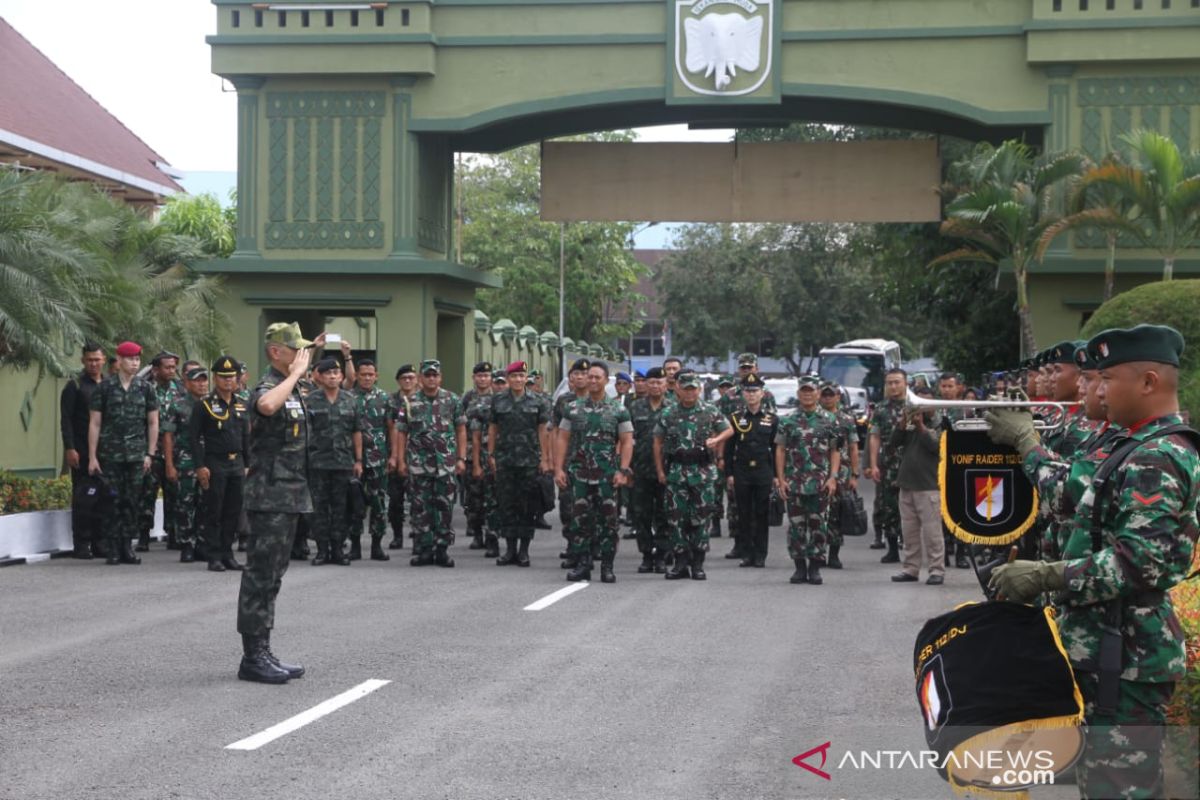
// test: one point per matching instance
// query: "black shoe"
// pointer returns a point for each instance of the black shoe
(934, 580)
(125, 555)
(143, 545)
(231, 563)
(377, 551)
(748, 561)
(834, 562)
(801, 573)
(397, 542)
(523, 553)
(215, 566)
(736, 552)
(442, 558)
(569, 562)
(877, 545)
(582, 571)
(256, 665)
(476, 542)
(892, 556)
(814, 572)
(292, 670)
(491, 546)
(565, 554)
(716, 530)
(510, 552)
(541, 524)
(679, 569)
(606, 572)
(187, 554)
(83, 551)
(322, 556)
(114, 554)
(421, 558)
(698, 573)
(961, 562)
(647, 564)
(630, 535)
(356, 548)
(760, 561)
(337, 555)
(904, 577)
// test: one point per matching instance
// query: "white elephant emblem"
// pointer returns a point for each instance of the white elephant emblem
(721, 44)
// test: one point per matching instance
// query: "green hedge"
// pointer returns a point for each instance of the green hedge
(33, 494)
(1174, 303)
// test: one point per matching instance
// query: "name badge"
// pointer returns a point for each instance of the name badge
(292, 404)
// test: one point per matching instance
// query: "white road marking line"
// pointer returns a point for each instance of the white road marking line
(554, 597)
(303, 718)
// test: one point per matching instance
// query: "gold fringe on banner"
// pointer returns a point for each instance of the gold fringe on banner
(967, 536)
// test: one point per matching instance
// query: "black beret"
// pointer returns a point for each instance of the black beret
(405, 369)
(580, 365)
(325, 365)
(1157, 343)
(481, 367)
(1063, 352)
(1083, 359)
(655, 372)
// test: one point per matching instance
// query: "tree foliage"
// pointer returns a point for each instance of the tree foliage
(202, 217)
(503, 233)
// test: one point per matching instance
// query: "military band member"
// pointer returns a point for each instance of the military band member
(598, 434)
(335, 457)
(179, 457)
(122, 443)
(806, 468)
(831, 401)
(750, 461)
(406, 383)
(1120, 559)
(376, 424)
(476, 490)
(684, 440)
(883, 464)
(219, 430)
(164, 368)
(646, 494)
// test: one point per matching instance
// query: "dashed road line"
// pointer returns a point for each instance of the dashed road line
(554, 597)
(305, 717)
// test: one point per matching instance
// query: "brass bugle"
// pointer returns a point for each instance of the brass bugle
(914, 403)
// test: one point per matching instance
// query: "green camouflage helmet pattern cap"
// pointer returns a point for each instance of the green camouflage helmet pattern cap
(431, 365)
(809, 380)
(1063, 352)
(1158, 343)
(747, 360)
(687, 379)
(830, 386)
(726, 380)
(287, 334)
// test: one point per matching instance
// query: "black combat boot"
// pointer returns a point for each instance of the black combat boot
(606, 570)
(568, 561)
(337, 553)
(187, 553)
(114, 552)
(660, 567)
(172, 541)
(510, 552)
(834, 562)
(83, 551)
(892, 556)
(491, 546)
(442, 558)
(523, 552)
(241, 540)
(698, 573)
(397, 542)
(356, 548)
(647, 564)
(801, 573)
(679, 569)
(582, 570)
(143, 545)
(736, 552)
(231, 563)
(215, 565)
(814, 572)
(125, 554)
(322, 556)
(716, 529)
(476, 542)
(292, 670)
(377, 551)
(541, 524)
(960, 555)
(421, 558)
(878, 543)
(747, 561)
(256, 664)
(760, 560)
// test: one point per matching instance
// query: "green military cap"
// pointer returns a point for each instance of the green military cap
(535, 373)
(726, 380)
(747, 360)
(830, 386)
(1083, 358)
(808, 379)
(196, 374)
(226, 366)
(752, 381)
(431, 365)
(687, 379)
(287, 334)
(1063, 352)
(1157, 343)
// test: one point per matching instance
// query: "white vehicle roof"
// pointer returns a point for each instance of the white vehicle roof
(873, 345)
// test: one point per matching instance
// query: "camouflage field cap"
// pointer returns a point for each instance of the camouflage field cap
(726, 380)
(196, 374)
(809, 380)
(431, 365)
(687, 379)
(747, 360)
(287, 334)
(830, 387)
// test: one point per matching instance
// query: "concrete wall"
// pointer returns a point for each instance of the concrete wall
(30, 444)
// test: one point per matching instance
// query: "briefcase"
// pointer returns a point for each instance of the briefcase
(853, 515)
(776, 510)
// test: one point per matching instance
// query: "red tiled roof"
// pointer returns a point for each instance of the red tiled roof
(39, 103)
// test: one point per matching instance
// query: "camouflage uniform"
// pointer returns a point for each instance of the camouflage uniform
(518, 455)
(376, 410)
(398, 493)
(1069, 443)
(847, 432)
(276, 495)
(187, 491)
(564, 495)
(595, 428)
(1149, 537)
(690, 496)
(647, 501)
(479, 494)
(155, 479)
(885, 516)
(122, 447)
(330, 466)
(431, 423)
(808, 439)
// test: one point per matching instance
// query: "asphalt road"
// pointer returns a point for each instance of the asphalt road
(119, 682)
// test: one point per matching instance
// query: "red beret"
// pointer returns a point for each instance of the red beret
(129, 349)
(517, 366)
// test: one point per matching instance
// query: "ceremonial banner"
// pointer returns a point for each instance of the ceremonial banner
(986, 498)
(997, 696)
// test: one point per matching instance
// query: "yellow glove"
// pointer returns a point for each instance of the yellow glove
(1023, 581)
(1012, 427)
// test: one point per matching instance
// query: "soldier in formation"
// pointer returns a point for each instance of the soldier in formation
(576, 390)
(219, 432)
(750, 457)
(335, 459)
(164, 368)
(376, 428)
(883, 464)
(847, 479)
(478, 492)
(398, 494)
(179, 457)
(646, 493)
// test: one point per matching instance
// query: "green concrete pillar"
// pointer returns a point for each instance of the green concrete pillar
(247, 196)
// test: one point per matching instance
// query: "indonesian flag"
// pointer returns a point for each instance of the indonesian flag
(931, 704)
(989, 496)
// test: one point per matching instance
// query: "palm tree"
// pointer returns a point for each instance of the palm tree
(1001, 201)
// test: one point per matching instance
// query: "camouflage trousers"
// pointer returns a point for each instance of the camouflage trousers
(808, 525)
(397, 495)
(833, 517)
(375, 487)
(649, 514)
(330, 489)
(1123, 753)
(731, 510)
(564, 512)
(432, 506)
(512, 487)
(187, 503)
(593, 518)
(690, 505)
(126, 480)
(885, 515)
(152, 481)
(267, 550)
(479, 504)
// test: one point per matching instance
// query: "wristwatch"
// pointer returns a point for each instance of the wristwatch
(626, 471)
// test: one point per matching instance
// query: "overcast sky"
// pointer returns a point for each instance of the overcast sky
(146, 62)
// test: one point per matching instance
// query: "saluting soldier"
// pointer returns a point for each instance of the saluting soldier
(122, 442)
(406, 383)
(376, 424)
(646, 494)
(598, 434)
(684, 440)
(883, 464)
(219, 430)
(1131, 540)
(335, 457)
(806, 468)
(74, 405)
(476, 490)
(847, 478)
(434, 443)
(750, 459)
(179, 459)
(517, 448)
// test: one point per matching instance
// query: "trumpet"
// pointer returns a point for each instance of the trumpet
(1056, 413)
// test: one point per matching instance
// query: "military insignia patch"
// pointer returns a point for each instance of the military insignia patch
(724, 47)
(986, 498)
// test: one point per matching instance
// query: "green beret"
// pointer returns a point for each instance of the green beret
(1083, 359)
(1063, 352)
(1157, 343)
